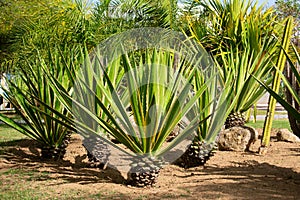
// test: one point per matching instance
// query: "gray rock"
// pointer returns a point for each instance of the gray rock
(286, 136)
(237, 138)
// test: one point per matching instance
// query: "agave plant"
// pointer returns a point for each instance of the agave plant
(138, 98)
(34, 100)
(215, 103)
(247, 91)
(243, 39)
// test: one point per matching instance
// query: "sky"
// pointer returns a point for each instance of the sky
(269, 2)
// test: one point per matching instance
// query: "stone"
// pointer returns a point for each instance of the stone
(237, 138)
(286, 136)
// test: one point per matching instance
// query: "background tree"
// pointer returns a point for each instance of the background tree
(126, 14)
(285, 8)
(30, 25)
(13, 13)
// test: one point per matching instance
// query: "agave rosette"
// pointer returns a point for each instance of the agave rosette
(138, 96)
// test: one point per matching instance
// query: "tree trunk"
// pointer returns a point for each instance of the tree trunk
(276, 84)
(295, 125)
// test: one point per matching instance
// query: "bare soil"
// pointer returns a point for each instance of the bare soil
(227, 175)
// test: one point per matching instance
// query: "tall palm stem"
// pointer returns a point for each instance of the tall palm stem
(276, 83)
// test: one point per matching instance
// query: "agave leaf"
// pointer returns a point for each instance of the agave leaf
(289, 86)
(287, 106)
(35, 101)
(19, 127)
(292, 65)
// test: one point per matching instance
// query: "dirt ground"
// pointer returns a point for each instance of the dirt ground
(227, 175)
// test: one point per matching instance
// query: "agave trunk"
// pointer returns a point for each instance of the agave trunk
(235, 119)
(53, 152)
(197, 154)
(56, 152)
(142, 178)
(144, 172)
(97, 152)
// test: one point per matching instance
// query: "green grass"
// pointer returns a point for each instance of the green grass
(20, 183)
(30, 175)
(24, 184)
(264, 112)
(16, 184)
(276, 124)
(9, 137)
(9, 134)
(25, 194)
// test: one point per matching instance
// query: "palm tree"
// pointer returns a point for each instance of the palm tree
(280, 64)
(291, 82)
(125, 14)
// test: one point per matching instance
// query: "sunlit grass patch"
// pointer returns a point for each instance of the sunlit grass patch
(8, 134)
(276, 124)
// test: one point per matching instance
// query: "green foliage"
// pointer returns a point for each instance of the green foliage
(112, 17)
(286, 8)
(155, 85)
(34, 100)
(43, 25)
(243, 39)
(65, 24)
(46, 25)
(232, 24)
(213, 106)
(13, 12)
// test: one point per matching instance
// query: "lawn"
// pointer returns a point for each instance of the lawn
(276, 124)
(8, 134)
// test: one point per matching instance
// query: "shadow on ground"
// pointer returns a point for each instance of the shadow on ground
(16, 154)
(249, 179)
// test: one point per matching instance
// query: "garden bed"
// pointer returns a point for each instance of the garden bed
(227, 175)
